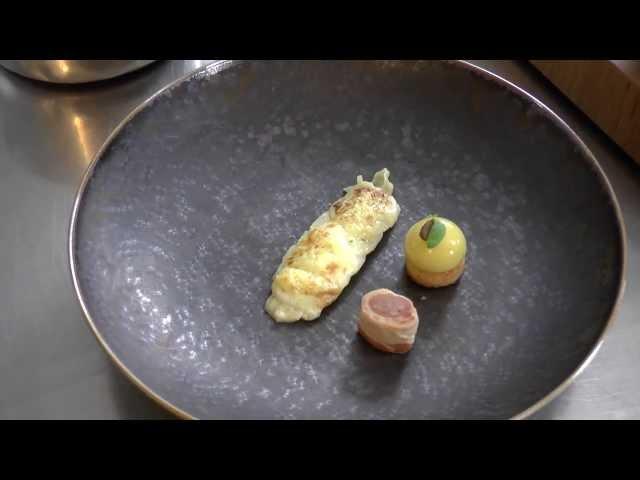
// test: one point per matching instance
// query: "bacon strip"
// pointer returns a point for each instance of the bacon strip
(388, 321)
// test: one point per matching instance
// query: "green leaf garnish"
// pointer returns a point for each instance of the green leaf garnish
(433, 231)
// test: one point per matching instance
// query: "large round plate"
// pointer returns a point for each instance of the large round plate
(187, 210)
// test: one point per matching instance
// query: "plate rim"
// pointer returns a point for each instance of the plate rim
(220, 65)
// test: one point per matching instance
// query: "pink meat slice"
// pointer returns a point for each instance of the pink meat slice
(388, 321)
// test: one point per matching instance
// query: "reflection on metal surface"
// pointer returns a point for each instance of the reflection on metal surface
(42, 163)
(47, 105)
(79, 124)
(73, 71)
(64, 68)
(7, 90)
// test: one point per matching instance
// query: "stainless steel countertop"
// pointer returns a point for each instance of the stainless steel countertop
(50, 364)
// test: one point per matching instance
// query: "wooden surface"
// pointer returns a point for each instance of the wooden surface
(608, 91)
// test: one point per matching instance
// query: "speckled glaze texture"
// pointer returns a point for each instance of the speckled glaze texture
(193, 204)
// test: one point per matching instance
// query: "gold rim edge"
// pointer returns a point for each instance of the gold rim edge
(218, 66)
(621, 229)
(212, 68)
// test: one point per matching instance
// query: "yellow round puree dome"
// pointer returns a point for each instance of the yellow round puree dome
(445, 255)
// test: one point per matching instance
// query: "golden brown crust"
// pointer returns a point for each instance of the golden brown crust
(311, 286)
(332, 268)
(397, 348)
(435, 279)
(320, 282)
(373, 198)
(316, 269)
(315, 240)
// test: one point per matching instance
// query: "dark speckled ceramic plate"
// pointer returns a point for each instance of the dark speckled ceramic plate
(189, 207)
